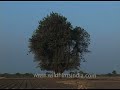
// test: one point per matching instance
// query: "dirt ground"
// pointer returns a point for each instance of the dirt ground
(57, 83)
(94, 83)
(97, 83)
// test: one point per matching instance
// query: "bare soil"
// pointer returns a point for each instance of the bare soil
(58, 83)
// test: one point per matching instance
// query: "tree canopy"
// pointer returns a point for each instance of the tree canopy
(58, 46)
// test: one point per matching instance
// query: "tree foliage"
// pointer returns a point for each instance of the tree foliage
(57, 46)
(114, 72)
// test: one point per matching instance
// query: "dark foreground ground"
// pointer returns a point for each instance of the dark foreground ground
(55, 83)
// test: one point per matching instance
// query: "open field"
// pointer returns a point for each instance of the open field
(31, 83)
(57, 83)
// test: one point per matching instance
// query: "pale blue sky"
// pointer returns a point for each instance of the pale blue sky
(19, 19)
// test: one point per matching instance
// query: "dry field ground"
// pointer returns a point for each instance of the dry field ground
(57, 83)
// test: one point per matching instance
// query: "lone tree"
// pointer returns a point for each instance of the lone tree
(57, 46)
(114, 72)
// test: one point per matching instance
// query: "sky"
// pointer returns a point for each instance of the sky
(101, 19)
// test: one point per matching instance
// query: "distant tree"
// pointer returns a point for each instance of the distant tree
(57, 46)
(17, 74)
(114, 72)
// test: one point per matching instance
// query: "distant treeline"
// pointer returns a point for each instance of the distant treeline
(17, 75)
(109, 74)
(30, 75)
(113, 73)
